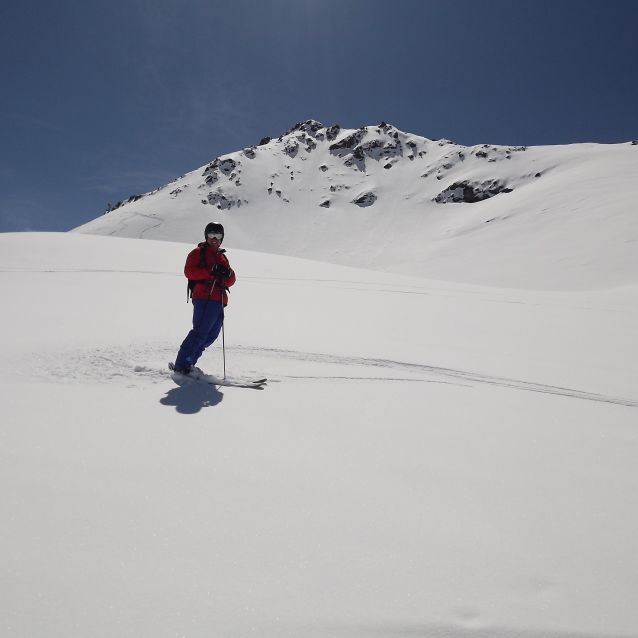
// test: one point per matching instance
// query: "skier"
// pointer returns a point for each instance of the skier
(209, 277)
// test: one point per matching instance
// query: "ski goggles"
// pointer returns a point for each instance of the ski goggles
(217, 236)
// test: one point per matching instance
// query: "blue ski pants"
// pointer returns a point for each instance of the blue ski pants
(208, 317)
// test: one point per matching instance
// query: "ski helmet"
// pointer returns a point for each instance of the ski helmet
(214, 227)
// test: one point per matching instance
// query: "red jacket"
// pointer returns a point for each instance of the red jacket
(209, 286)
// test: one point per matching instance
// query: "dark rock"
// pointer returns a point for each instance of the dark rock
(325, 204)
(365, 200)
(264, 140)
(211, 169)
(220, 200)
(376, 149)
(308, 126)
(250, 152)
(471, 192)
(227, 166)
(388, 166)
(323, 168)
(332, 132)
(348, 142)
(291, 148)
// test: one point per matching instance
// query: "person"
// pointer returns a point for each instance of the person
(209, 277)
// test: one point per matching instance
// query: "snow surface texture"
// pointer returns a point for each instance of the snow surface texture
(546, 217)
(428, 459)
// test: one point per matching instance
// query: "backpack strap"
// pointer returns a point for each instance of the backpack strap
(190, 284)
(202, 254)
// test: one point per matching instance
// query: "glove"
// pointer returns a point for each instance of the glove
(220, 270)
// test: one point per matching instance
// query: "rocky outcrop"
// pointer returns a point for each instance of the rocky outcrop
(332, 132)
(227, 166)
(470, 192)
(348, 143)
(180, 189)
(291, 148)
(221, 201)
(381, 149)
(128, 200)
(366, 199)
(308, 126)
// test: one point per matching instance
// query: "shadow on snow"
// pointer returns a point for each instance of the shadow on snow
(190, 398)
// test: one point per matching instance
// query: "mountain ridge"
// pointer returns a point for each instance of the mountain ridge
(377, 197)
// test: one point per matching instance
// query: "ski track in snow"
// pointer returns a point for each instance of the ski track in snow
(148, 364)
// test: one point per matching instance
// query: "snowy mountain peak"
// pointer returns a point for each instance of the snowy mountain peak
(330, 193)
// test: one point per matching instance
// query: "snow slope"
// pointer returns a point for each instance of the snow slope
(386, 200)
(429, 458)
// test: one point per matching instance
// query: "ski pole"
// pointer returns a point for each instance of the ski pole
(224, 347)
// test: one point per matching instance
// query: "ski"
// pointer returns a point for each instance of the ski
(234, 382)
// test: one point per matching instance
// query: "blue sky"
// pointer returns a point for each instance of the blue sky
(102, 99)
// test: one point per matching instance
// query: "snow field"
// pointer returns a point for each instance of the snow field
(427, 459)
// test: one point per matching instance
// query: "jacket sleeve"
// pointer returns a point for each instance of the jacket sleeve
(192, 268)
(230, 280)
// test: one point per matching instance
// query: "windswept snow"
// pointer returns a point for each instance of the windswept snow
(429, 458)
